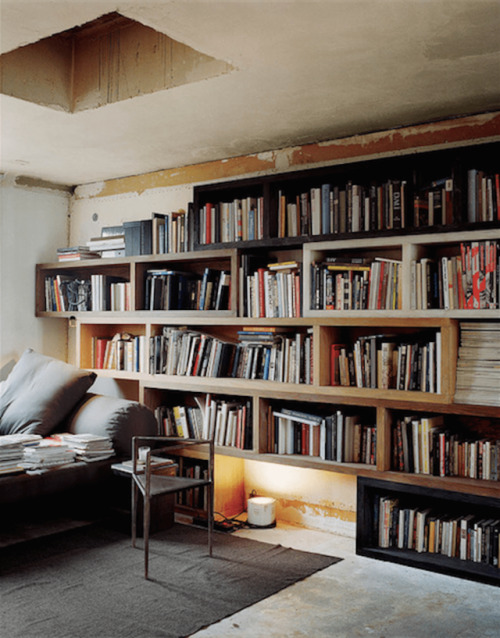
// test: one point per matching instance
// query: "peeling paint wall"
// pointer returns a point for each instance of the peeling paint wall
(310, 498)
(419, 138)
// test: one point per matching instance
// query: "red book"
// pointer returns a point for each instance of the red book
(208, 227)
(297, 295)
(335, 363)
(239, 439)
(100, 351)
(460, 287)
(305, 438)
(262, 299)
(199, 354)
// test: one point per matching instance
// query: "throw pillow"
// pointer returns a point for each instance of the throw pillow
(39, 393)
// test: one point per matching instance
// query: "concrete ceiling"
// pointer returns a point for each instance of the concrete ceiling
(304, 72)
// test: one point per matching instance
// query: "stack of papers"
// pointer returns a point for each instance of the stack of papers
(12, 451)
(89, 447)
(48, 453)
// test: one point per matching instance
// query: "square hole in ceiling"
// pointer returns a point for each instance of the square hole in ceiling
(109, 59)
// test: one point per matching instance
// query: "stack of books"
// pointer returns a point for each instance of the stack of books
(76, 253)
(12, 451)
(108, 246)
(478, 365)
(47, 454)
(338, 436)
(88, 447)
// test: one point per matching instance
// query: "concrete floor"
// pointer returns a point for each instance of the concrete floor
(363, 597)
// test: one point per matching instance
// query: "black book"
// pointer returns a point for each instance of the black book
(329, 425)
(212, 289)
(146, 237)
(222, 295)
(185, 283)
(206, 356)
(226, 359)
(157, 292)
(248, 437)
(396, 205)
(132, 232)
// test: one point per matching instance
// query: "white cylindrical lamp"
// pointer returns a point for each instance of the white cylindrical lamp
(261, 511)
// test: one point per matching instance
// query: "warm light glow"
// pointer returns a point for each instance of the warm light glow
(305, 496)
(261, 500)
(295, 482)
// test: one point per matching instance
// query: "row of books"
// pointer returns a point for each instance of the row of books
(274, 354)
(356, 284)
(123, 351)
(433, 204)
(338, 437)
(236, 220)
(469, 280)
(478, 364)
(162, 233)
(193, 469)
(462, 536)
(483, 196)
(228, 422)
(330, 209)
(185, 352)
(269, 355)
(167, 289)
(66, 293)
(423, 445)
(274, 291)
(388, 362)
(110, 293)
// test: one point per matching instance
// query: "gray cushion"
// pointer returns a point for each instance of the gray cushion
(39, 393)
(120, 419)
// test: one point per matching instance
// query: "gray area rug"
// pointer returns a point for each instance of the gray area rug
(89, 582)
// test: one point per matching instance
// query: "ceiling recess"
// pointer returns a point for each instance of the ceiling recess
(109, 59)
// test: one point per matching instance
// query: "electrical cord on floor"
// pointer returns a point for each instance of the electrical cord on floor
(229, 524)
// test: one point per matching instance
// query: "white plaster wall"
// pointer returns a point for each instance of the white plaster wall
(33, 224)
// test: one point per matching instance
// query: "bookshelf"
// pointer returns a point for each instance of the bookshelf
(454, 534)
(278, 294)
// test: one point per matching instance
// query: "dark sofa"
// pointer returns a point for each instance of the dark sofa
(43, 396)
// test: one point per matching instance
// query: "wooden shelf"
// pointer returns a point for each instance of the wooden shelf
(381, 407)
(441, 502)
